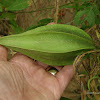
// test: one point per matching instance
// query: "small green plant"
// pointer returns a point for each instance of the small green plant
(41, 22)
(86, 12)
(8, 9)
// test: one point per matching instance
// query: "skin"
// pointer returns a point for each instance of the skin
(22, 78)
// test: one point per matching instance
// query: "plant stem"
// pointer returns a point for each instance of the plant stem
(57, 10)
(34, 4)
(32, 13)
(49, 4)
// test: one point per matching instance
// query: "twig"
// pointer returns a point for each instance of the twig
(34, 4)
(91, 28)
(57, 10)
(79, 57)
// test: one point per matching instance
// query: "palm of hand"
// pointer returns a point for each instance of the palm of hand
(23, 79)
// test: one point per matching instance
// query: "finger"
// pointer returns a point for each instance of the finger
(51, 23)
(58, 67)
(3, 53)
(24, 62)
(65, 75)
(42, 64)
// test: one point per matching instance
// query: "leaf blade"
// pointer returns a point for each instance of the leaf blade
(53, 59)
(17, 5)
(60, 28)
(48, 42)
(51, 47)
(91, 18)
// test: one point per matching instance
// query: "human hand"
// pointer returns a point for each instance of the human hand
(22, 78)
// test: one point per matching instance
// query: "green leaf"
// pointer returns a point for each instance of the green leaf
(13, 22)
(68, 6)
(61, 28)
(83, 72)
(56, 45)
(15, 26)
(45, 21)
(8, 15)
(94, 77)
(63, 98)
(17, 30)
(14, 5)
(98, 72)
(87, 98)
(6, 3)
(77, 19)
(97, 20)
(42, 22)
(75, 0)
(84, 6)
(0, 8)
(18, 5)
(85, 0)
(96, 10)
(90, 18)
(32, 27)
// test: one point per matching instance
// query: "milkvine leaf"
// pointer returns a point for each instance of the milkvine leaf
(6, 3)
(7, 15)
(0, 8)
(96, 10)
(79, 14)
(18, 5)
(45, 21)
(42, 22)
(15, 26)
(90, 18)
(14, 5)
(53, 44)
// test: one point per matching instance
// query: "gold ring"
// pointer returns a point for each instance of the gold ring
(52, 70)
